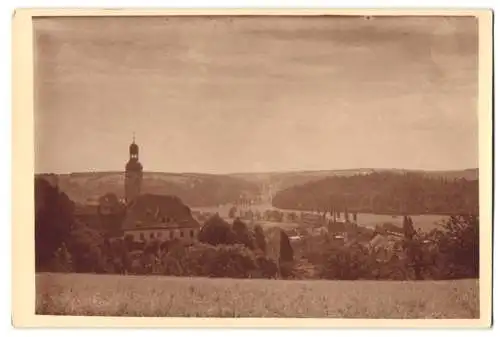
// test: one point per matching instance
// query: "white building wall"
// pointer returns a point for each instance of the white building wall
(164, 234)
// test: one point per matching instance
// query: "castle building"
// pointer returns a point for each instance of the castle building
(133, 174)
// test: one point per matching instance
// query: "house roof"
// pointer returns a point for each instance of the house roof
(158, 211)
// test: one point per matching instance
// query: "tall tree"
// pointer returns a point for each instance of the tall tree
(243, 235)
(216, 231)
(232, 212)
(260, 238)
(286, 250)
(54, 218)
(111, 214)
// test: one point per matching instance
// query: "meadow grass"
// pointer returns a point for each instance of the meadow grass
(161, 296)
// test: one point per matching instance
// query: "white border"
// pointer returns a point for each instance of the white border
(5, 120)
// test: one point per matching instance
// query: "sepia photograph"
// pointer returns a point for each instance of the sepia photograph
(260, 166)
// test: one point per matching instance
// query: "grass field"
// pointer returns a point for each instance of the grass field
(111, 295)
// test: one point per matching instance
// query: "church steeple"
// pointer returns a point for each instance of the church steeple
(134, 149)
(133, 173)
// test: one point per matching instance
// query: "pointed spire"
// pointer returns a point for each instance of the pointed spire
(133, 137)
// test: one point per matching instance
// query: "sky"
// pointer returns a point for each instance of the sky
(256, 94)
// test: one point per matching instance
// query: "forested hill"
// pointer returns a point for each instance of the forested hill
(276, 181)
(384, 193)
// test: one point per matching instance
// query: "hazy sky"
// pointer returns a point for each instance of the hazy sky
(256, 94)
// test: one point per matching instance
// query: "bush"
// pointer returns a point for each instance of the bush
(216, 231)
(267, 267)
(234, 261)
(62, 262)
(86, 248)
(243, 235)
(347, 263)
(298, 270)
(287, 270)
(169, 265)
(454, 248)
(232, 212)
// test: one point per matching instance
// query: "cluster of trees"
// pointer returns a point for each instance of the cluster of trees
(448, 252)
(240, 251)
(384, 193)
(224, 250)
(53, 221)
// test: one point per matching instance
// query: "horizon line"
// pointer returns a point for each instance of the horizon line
(267, 172)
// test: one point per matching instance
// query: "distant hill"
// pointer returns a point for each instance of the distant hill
(197, 189)
(385, 192)
(277, 181)
(192, 188)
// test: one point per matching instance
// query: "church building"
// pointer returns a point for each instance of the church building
(151, 216)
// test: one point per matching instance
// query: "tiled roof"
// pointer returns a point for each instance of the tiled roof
(158, 211)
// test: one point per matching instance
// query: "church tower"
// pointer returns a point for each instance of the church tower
(133, 174)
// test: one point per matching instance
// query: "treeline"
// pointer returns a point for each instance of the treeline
(64, 244)
(238, 250)
(448, 252)
(95, 254)
(384, 193)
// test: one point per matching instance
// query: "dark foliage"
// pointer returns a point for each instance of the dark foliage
(243, 234)
(286, 250)
(234, 261)
(63, 244)
(346, 263)
(384, 193)
(86, 247)
(274, 215)
(267, 267)
(260, 239)
(458, 244)
(232, 212)
(216, 231)
(54, 218)
(111, 214)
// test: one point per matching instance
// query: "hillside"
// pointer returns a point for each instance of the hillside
(197, 189)
(384, 193)
(273, 182)
(193, 189)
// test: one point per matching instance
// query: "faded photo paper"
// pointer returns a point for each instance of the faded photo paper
(241, 165)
